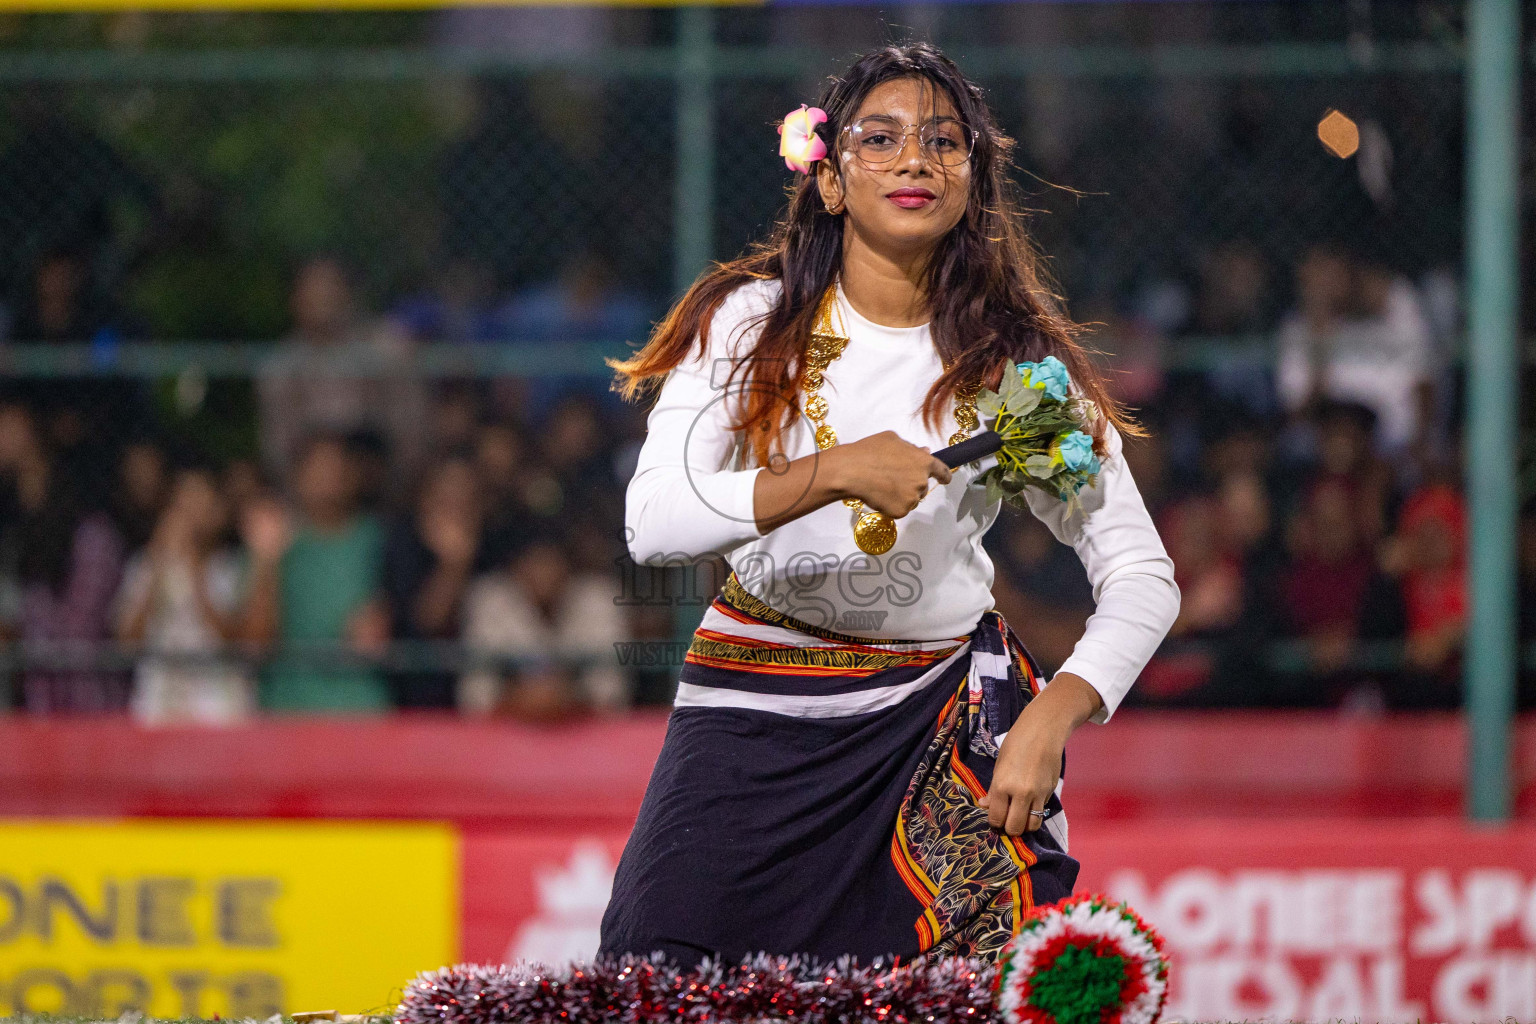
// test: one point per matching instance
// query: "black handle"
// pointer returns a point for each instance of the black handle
(971, 449)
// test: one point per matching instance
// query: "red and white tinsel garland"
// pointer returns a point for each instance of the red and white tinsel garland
(1085, 960)
(633, 990)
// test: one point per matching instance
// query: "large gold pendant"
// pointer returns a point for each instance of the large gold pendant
(874, 533)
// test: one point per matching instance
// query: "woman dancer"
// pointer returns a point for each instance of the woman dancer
(862, 758)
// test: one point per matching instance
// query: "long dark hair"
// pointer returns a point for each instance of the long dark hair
(991, 303)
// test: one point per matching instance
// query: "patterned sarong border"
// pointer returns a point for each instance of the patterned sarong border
(838, 655)
(972, 881)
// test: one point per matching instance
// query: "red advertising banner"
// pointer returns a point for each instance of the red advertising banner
(1322, 920)
(1152, 765)
(1294, 920)
(535, 895)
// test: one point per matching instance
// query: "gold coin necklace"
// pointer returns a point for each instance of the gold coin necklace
(873, 531)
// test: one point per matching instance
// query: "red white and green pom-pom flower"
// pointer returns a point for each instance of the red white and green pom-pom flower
(1086, 960)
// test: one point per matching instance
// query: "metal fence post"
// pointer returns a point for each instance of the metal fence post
(1493, 369)
(693, 204)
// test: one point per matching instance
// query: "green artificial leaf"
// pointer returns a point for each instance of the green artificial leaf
(1013, 481)
(1023, 401)
(995, 490)
(988, 404)
(1041, 466)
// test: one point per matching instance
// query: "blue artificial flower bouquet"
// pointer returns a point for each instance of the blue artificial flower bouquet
(1045, 430)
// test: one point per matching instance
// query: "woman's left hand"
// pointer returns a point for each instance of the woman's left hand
(1029, 762)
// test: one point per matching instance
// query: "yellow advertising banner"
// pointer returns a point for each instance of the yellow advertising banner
(192, 919)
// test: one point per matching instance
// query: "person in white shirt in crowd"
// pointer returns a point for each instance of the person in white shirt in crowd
(561, 628)
(1359, 334)
(339, 372)
(862, 759)
(181, 604)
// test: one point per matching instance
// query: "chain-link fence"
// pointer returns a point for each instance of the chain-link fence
(531, 185)
(196, 177)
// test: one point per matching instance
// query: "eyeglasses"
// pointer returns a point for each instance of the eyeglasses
(878, 141)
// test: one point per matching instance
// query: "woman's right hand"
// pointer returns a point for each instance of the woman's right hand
(266, 530)
(887, 473)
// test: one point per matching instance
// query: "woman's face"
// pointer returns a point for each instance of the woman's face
(198, 498)
(453, 490)
(908, 204)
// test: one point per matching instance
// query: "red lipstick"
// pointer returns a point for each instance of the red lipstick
(911, 198)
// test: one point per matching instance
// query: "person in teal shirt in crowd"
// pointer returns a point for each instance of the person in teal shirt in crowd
(317, 586)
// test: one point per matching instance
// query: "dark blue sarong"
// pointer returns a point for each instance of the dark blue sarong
(776, 823)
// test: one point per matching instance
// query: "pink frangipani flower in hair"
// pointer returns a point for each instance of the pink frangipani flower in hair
(799, 144)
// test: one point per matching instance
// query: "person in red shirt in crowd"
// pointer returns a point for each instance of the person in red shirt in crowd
(1428, 555)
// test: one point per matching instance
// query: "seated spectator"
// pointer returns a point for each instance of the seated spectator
(1233, 298)
(317, 587)
(429, 560)
(1332, 595)
(68, 562)
(1222, 545)
(64, 302)
(1211, 584)
(1428, 555)
(457, 412)
(183, 595)
(576, 447)
(560, 626)
(15, 430)
(1241, 675)
(339, 373)
(1210, 576)
(1235, 443)
(142, 483)
(1359, 334)
(1347, 459)
(1233, 304)
(511, 490)
(499, 458)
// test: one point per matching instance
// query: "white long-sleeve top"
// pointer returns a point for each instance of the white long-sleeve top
(691, 496)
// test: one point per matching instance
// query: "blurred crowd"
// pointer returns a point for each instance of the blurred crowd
(1309, 492)
(399, 542)
(197, 571)
(394, 543)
